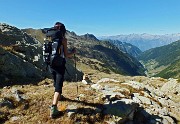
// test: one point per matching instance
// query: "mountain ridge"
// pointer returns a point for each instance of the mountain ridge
(145, 41)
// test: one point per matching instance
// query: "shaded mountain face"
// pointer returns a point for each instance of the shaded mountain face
(127, 48)
(21, 58)
(163, 61)
(107, 53)
(145, 41)
(10, 35)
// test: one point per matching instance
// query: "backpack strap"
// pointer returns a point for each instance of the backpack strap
(59, 47)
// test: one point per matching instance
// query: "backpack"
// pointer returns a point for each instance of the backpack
(51, 46)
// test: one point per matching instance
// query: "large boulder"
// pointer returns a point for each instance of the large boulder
(124, 108)
(171, 87)
(15, 69)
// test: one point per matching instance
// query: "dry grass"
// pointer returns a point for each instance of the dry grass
(39, 98)
(8, 48)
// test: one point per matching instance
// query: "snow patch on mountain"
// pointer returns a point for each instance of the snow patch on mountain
(145, 41)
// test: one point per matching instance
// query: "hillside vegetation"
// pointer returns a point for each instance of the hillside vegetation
(163, 60)
(172, 71)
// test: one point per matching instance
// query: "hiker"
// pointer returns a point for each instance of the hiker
(58, 73)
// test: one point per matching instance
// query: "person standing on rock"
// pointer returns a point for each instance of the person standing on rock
(58, 73)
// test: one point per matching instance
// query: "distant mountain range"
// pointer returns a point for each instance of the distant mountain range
(144, 41)
(163, 61)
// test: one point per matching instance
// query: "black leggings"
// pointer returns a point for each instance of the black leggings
(58, 76)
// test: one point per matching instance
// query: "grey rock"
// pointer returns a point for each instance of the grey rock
(135, 85)
(168, 120)
(103, 80)
(142, 99)
(15, 118)
(96, 86)
(71, 110)
(6, 102)
(172, 86)
(122, 108)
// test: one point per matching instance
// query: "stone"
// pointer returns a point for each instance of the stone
(84, 82)
(144, 100)
(110, 122)
(103, 80)
(71, 110)
(71, 114)
(122, 108)
(135, 85)
(15, 118)
(97, 87)
(172, 86)
(168, 120)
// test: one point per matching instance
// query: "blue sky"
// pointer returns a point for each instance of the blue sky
(98, 17)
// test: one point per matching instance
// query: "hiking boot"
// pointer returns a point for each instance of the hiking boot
(54, 112)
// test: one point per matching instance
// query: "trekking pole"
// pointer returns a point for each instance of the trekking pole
(76, 75)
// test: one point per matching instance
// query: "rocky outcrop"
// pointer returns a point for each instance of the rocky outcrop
(14, 68)
(171, 87)
(21, 59)
(13, 98)
(138, 102)
(89, 37)
(122, 100)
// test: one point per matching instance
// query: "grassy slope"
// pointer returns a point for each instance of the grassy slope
(163, 55)
(39, 97)
(165, 59)
(36, 33)
(173, 71)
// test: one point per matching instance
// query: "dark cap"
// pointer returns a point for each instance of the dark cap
(58, 24)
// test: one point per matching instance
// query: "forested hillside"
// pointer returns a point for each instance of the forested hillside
(165, 59)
